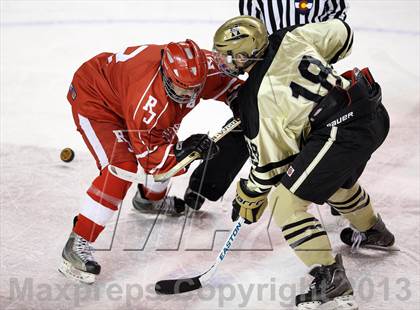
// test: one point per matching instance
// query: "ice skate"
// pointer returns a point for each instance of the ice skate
(193, 199)
(77, 260)
(170, 204)
(334, 212)
(377, 237)
(330, 289)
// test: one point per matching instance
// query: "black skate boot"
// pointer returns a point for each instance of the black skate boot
(169, 205)
(193, 199)
(78, 262)
(334, 212)
(330, 289)
(378, 237)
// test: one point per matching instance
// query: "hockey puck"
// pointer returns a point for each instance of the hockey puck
(67, 155)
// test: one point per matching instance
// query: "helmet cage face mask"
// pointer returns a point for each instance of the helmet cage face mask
(227, 64)
(239, 43)
(179, 94)
(184, 71)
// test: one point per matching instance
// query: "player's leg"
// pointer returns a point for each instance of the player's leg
(314, 174)
(333, 158)
(354, 203)
(306, 236)
(302, 231)
(211, 179)
(352, 200)
(151, 197)
(367, 228)
(103, 196)
(101, 199)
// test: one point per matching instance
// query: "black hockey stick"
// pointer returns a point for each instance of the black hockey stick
(177, 286)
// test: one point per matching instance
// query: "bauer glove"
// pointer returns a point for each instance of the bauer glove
(199, 143)
(248, 204)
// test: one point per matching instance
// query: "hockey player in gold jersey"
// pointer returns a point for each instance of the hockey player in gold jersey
(310, 133)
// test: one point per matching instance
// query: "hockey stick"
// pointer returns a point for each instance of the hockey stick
(140, 178)
(177, 286)
(127, 175)
(195, 155)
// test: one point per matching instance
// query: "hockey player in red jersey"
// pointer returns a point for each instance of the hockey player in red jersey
(128, 107)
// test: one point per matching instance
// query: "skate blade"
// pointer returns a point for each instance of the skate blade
(341, 221)
(391, 248)
(72, 273)
(154, 211)
(339, 303)
(158, 212)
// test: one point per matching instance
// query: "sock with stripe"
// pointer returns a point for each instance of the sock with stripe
(302, 231)
(355, 205)
(150, 194)
(102, 200)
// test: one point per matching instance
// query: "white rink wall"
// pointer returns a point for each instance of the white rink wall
(44, 42)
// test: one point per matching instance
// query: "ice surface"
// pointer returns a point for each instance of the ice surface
(43, 43)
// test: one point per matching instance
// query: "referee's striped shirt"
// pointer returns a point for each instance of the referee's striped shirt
(277, 14)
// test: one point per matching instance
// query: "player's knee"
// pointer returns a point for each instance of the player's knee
(110, 190)
(127, 165)
(286, 206)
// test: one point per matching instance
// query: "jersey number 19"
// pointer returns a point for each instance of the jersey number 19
(320, 78)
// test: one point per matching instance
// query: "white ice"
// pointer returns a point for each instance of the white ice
(44, 42)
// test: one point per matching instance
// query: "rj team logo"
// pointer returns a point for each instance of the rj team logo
(304, 6)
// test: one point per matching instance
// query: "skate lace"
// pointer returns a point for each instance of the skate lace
(165, 204)
(319, 278)
(357, 238)
(168, 203)
(83, 249)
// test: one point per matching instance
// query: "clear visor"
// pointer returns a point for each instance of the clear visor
(226, 63)
(179, 94)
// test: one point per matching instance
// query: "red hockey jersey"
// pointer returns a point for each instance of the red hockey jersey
(130, 88)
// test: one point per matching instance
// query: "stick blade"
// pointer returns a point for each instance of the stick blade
(177, 286)
(127, 175)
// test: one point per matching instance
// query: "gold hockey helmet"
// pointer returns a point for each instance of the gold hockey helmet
(238, 43)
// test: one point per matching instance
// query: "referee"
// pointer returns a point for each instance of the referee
(211, 179)
(285, 13)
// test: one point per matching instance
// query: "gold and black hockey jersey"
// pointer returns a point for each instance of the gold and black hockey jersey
(281, 91)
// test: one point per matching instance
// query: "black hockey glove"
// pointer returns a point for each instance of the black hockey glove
(248, 204)
(199, 143)
(234, 106)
